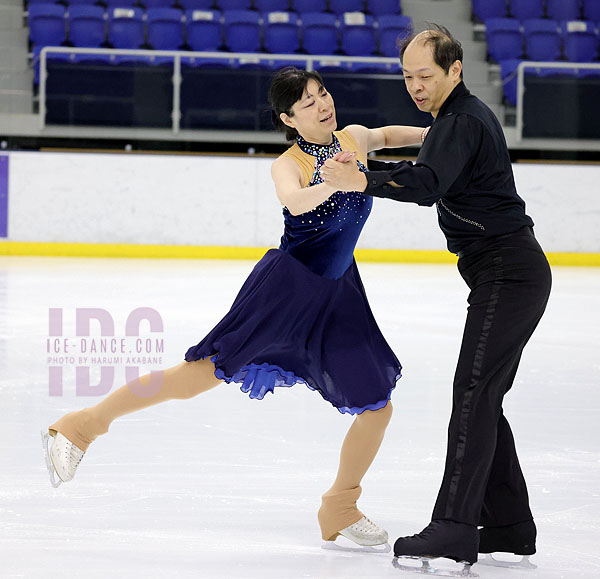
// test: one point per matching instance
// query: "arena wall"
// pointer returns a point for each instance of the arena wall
(204, 204)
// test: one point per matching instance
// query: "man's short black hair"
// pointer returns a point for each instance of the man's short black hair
(446, 49)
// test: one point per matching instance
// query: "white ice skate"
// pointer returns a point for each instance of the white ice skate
(402, 564)
(62, 459)
(366, 536)
(492, 561)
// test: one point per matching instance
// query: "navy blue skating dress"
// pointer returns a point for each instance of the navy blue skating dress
(302, 315)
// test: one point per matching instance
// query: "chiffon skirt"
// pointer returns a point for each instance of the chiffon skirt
(289, 325)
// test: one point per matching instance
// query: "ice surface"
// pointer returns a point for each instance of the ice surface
(221, 486)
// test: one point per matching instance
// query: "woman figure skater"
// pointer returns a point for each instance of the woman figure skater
(301, 316)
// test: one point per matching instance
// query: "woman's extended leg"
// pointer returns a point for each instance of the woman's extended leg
(82, 427)
(338, 509)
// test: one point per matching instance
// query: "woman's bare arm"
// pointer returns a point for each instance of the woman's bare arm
(287, 178)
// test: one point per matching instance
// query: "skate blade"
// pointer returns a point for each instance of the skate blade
(51, 471)
(351, 547)
(491, 561)
(427, 569)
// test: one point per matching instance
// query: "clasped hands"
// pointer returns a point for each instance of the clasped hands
(342, 173)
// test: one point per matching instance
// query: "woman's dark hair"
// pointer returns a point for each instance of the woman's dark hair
(287, 87)
(446, 49)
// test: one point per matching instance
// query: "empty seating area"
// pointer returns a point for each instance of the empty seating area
(263, 27)
(539, 30)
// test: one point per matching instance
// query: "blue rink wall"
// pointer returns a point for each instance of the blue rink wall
(225, 206)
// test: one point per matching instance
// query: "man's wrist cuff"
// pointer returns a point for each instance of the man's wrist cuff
(377, 181)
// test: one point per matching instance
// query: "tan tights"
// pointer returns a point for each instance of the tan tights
(188, 379)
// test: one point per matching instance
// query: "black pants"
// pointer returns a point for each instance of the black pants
(509, 278)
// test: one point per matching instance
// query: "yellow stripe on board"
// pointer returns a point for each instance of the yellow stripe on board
(129, 250)
(405, 256)
(582, 259)
(255, 253)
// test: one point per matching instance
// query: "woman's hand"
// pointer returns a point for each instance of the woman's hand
(344, 156)
(342, 173)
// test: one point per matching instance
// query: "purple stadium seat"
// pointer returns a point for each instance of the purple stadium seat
(357, 34)
(242, 30)
(504, 39)
(580, 41)
(126, 27)
(120, 4)
(340, 6)
(319, 33)
(281, 32)
(591, 10)
(486, 9)
(47, 24)
(542, 39)
(563, 9)
(306, 6)
(229, 5)
(87, 26)
(527, 9)
(391, 28)
(508, 73)
(382, 7)
(272, 5)
(204, 30)
(196, 4)
(165, 28)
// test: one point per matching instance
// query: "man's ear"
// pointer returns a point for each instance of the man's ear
(456, 69)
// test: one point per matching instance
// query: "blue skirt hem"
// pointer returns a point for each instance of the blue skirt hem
(258, 380)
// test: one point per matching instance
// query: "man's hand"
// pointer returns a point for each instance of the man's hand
(341, 172)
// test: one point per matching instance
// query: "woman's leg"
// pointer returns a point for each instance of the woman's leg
(338, 509)
(185, 380)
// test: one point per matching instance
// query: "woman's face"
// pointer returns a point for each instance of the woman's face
(313, 115)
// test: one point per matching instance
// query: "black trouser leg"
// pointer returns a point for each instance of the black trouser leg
(510, 284)
(506, 500)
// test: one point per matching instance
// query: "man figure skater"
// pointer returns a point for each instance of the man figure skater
(464, 169)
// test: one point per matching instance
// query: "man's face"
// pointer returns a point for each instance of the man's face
(427, 83)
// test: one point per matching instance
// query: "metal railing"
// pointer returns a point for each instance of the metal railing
(177, 56)
(534, 64)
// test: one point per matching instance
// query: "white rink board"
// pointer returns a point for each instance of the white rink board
(230, 200)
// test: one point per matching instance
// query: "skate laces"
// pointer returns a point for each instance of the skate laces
(366, 526)
(72, 455)
(75, 456)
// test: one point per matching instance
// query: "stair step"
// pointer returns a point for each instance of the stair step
(439, 11)
(15, 58)
(498, 110)
(475, 71)
(490, 94)
(19, 123)
(474, 50)
(11, 16)
(16, 79)
(19, 101)
(13, 37)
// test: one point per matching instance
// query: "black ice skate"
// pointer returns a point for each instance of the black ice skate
(517, 539)
(440, 539)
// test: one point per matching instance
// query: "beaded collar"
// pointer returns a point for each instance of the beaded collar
(319, 151)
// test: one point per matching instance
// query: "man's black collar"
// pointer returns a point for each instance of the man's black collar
(459, 90)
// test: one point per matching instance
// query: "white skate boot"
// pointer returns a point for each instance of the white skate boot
(364, 533)
(62, 458)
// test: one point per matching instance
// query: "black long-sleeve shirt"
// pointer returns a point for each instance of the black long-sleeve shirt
(464, 169)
